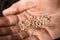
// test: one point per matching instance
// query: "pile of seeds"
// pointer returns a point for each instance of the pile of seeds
(35, 21)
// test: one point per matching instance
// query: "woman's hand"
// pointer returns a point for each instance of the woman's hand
(23, 9)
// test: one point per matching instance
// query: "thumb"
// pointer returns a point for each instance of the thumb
(19, 7)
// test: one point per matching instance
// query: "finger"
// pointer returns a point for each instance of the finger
(16, 36)
(8, 20)
(3, 21)
(13, 19)
(19, 7)
(31, 38)
(20, 35)
(5, 37)
(9, 30)
(40, 33)
(9, 37)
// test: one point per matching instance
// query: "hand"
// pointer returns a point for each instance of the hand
(24, 8)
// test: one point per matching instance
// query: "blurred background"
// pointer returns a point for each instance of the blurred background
(7, 3)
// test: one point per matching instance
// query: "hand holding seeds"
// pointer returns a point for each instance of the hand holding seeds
(31, 20)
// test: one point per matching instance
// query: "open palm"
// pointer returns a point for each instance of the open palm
(23, 9)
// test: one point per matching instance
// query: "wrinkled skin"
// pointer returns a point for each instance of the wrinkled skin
(22, 10)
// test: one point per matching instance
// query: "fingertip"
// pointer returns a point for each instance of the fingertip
(3, 21)
(10, 11)
(13, 19)
(9, 20)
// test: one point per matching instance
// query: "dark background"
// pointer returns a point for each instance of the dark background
(7, 3)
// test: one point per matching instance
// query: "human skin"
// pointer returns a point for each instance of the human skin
(23, 9)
